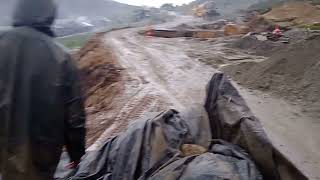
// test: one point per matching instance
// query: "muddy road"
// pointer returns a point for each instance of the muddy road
(158, 74)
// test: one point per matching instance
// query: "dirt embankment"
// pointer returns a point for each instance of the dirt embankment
(291, 72)
(256, 44)
(101, 82)
(294, 14)
(292, 69)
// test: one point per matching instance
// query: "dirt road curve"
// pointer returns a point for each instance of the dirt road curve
(168, 73)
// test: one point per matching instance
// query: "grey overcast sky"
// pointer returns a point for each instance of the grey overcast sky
(155, 3)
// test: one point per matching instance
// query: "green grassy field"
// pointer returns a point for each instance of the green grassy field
(75, 41)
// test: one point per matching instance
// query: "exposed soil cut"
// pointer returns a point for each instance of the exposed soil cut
(101, 77)
(291, 72)
(294, 14)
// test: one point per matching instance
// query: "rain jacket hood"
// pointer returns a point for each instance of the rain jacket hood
(38, 14)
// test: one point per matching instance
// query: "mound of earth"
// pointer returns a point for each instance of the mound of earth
(184, 27)
(294, 14)
(259, 24)
(101, 82)
(207, 25)
(217, 25)
(292, 72)
(258, 44)
(253, 44)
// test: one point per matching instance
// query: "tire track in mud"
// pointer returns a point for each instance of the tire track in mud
(142, 103)
(152, 83)
(181, 79)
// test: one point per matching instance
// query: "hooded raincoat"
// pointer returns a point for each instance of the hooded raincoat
(41, 108)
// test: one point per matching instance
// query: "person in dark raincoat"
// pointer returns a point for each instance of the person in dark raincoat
(41, 109)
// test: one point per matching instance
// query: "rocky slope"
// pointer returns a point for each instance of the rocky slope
(101, 84)
(291, 72)
(294, 14)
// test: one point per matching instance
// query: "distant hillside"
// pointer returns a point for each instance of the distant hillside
(299, 14)
(224, 7)
(75, 8)
(94, 8)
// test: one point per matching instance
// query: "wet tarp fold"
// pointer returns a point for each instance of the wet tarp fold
(231, 120)
(234, 143)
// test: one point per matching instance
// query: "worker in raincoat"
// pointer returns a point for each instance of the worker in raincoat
(41, 108)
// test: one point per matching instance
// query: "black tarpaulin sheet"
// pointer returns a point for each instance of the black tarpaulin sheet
(228, 144)
(231, 120)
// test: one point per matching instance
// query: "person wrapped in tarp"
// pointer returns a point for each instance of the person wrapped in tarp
(41, 108)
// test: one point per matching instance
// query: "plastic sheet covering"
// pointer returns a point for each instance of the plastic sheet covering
(228, 144)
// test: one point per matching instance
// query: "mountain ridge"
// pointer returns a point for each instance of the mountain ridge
(75, 8)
